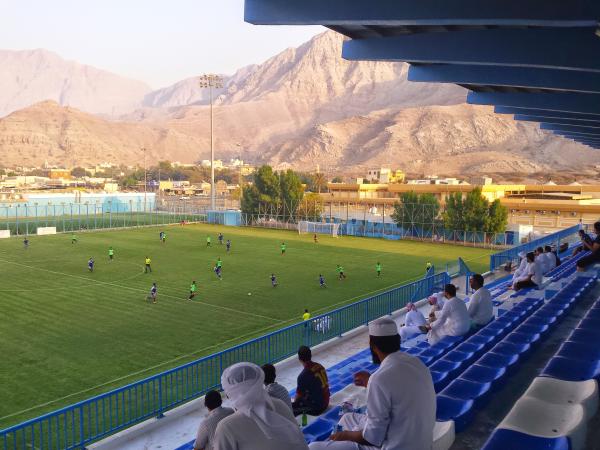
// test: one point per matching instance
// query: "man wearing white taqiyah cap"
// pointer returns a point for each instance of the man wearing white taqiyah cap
(397, 418)
(521, 270)
(260, 422)
(412, 321)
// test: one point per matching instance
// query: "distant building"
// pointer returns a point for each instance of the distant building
(55, 174)
(385, 175)
(480, 181)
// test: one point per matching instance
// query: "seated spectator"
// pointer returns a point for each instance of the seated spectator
(453, 320)
(400, 400)
(522, 269)
(259, 422)
(551, 259)
(586, 241)
(414, 319)
(480, 307)
(274, 389)
(216, 413)
(594, 247)
(436, 301)
(534, 276)
(312, 392)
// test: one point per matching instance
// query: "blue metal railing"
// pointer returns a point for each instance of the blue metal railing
(76, 425)
(497, 259)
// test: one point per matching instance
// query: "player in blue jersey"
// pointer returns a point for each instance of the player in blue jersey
(228, 245)
(91, 264)
(220, 237)
(322, 281)
(273, 280)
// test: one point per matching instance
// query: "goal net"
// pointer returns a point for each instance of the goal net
(305, 227)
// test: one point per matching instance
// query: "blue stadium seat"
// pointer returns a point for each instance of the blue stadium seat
(495, 360)
(319, 430)
(579, 350)
(570, 369)
(502, 439)
(510, 348)
(519, 337)
(484, 374)
(460, 411)
(466, 389)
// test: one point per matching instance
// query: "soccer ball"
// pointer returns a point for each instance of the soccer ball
(249, 293)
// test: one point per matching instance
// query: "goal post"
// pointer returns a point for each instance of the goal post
(307, 227)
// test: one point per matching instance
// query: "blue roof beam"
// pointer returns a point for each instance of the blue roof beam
(543, 48)
(554, 13)
(557, 121)
(545, 113)
(565, 102)
(569, 128)
(562, 80)
(573, 135)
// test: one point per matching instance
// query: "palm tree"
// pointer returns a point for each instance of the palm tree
(319, 182)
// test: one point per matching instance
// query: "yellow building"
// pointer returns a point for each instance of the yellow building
(543, 206)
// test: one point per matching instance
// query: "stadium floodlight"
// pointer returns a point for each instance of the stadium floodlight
(211, 81)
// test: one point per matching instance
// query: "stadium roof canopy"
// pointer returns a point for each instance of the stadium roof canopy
(536, 59)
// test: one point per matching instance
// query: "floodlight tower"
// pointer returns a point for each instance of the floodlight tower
(211, 81)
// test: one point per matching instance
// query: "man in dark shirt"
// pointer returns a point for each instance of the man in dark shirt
(312, 393)
(594, 247)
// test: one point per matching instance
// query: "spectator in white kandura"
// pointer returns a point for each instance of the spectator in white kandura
(534, 275)
(551, 259)
(400, 400)
(480, 306)
(259, 422)
(522, 269)
(216, 413)
(274, 389)
(453, 320)
(540, 259)
(436, 301)
(413, 320)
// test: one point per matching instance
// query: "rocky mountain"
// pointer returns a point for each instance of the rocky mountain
(454, 139)
(61, 135)
(303, 107)
(31, 76)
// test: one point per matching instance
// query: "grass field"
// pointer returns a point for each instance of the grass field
(67, 334)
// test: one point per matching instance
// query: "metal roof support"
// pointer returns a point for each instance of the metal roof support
(544, 48)
(422, 12)
(557, 121)
(562, 80)
(566, 102)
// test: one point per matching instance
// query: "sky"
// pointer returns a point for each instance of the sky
(156, 41)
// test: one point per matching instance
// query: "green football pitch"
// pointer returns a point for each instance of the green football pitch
(67, 334)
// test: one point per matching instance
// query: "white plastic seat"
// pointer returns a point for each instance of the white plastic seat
(549, 420)
(561, 392)
(443, 435)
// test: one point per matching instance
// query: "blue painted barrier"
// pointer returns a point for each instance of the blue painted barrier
(79, 424)
(497, 259)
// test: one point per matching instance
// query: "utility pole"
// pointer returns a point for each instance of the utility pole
(145, 178)
(210, 81)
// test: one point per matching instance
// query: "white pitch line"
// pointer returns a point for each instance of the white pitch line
(224, 308)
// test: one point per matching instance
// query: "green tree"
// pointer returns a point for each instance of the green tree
(292, 191)
(474, 213)
(250, 200)
(311, 207)
(416, 211)
(337, 179)
(497, 218)
(78, 172)
(453, 215)
(475, 210)
(267, 184)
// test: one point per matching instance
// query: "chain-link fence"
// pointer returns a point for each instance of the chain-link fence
(70, 217)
